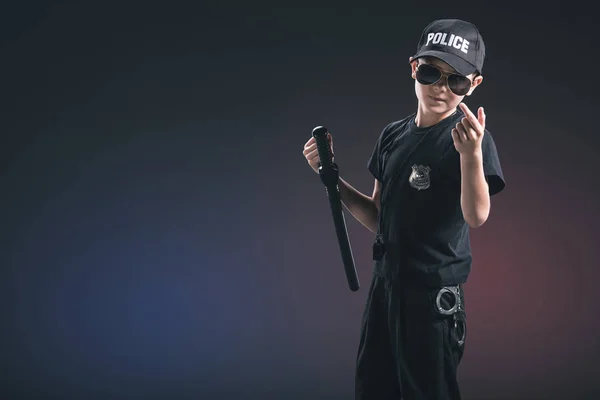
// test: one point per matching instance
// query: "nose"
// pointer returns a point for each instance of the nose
(442, 83)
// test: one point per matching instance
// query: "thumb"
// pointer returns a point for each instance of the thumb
(330, 140)
(481, 116)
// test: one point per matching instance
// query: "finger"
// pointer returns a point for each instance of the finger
(455, 136)
(470, 131)
(312, 155)
(475, 132)
(460, 128)
(472, 118)
(308, 149)
(312, 143)
(481, 117)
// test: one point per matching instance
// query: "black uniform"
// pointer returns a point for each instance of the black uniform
(408, 348)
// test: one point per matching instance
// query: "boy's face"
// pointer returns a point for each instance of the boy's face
(438, 98)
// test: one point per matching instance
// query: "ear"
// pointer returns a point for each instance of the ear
(476, 82)
(413, 67)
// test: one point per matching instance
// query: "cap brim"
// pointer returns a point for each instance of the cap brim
(460, 65)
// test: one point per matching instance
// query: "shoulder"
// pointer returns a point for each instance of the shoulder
(392, 129)
(488, 138)
(399, 124)
(491, 164)
(488, 147)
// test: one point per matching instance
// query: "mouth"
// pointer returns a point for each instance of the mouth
(437, 98)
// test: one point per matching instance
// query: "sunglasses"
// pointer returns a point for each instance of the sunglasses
(428, 75)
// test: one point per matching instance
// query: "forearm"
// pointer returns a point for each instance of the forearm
(361, 206)
(474, 193)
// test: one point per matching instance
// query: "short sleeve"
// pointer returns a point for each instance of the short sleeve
(491, 165)
(375, 163)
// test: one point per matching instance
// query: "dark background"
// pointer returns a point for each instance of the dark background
(163, 237)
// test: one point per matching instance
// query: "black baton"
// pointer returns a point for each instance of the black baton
(329, 174)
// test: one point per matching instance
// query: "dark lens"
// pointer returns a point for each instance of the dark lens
(460, 85)
(428, 75)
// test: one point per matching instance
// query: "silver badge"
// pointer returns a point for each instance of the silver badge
(419, 178)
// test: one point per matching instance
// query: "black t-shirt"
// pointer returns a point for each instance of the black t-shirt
(421, 221)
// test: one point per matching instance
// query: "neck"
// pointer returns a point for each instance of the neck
(426, 118)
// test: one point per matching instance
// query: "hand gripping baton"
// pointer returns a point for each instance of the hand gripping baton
(329, 173)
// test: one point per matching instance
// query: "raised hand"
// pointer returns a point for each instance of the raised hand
(468, 133)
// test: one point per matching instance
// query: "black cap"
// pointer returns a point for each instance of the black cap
(457, 43)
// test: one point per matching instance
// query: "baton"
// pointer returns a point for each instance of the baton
(329, 173)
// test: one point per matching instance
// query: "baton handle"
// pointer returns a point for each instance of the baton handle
(320, 135)
(329, 173)
(328, 170)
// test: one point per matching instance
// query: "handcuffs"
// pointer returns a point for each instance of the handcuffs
(457, 311)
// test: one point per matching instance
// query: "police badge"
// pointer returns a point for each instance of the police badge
(419, 178)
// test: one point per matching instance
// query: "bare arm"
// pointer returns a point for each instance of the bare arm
(474, 191)
(362, 207)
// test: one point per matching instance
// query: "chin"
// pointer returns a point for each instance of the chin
(437, 107)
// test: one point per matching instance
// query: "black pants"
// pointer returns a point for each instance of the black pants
(408, 350)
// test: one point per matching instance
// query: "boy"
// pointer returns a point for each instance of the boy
(435, 171)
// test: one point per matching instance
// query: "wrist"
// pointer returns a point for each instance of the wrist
(475, 157)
